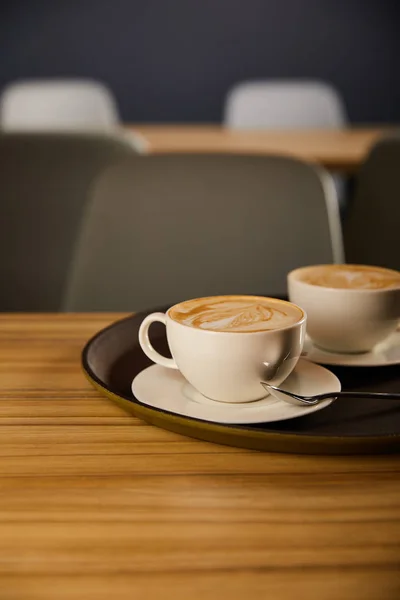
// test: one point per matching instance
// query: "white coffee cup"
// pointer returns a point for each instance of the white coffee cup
(350, 308)
(225, 354)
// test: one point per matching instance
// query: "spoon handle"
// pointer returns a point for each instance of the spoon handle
(377, 395)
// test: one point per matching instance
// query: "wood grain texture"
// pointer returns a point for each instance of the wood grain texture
(340, 149)
(95, 504)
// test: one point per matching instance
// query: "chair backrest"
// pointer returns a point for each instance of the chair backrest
(164, 228)
(57, 105)
(372, 225)
(44, 183)
(284, 104)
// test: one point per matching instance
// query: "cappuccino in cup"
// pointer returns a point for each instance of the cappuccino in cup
(236, 314)
(350, 308)
(225, 345)
(351, 277)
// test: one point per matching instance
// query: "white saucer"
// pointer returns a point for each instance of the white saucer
(384, 354)
(168, 390)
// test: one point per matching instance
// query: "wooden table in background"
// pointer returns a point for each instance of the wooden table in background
(95, 504)
(336, 149)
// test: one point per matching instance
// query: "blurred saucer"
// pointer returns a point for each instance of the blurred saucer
(384, 354)
(168, 390)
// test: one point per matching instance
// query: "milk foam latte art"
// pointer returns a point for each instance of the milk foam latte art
(235, 314)
(225, 346)
(352, 277)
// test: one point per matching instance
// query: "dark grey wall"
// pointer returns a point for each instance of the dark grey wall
(174, 60)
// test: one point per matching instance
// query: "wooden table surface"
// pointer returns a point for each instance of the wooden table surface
(336, 149)
(95, 504)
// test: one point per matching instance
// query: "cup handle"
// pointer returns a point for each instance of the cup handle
(145, 343)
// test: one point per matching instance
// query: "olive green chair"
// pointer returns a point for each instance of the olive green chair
(372, 225)
(44, 184)
(163, 228)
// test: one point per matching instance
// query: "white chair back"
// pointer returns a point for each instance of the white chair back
(284, 105)
(58, 105)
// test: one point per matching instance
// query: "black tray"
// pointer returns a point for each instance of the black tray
(113, 357)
